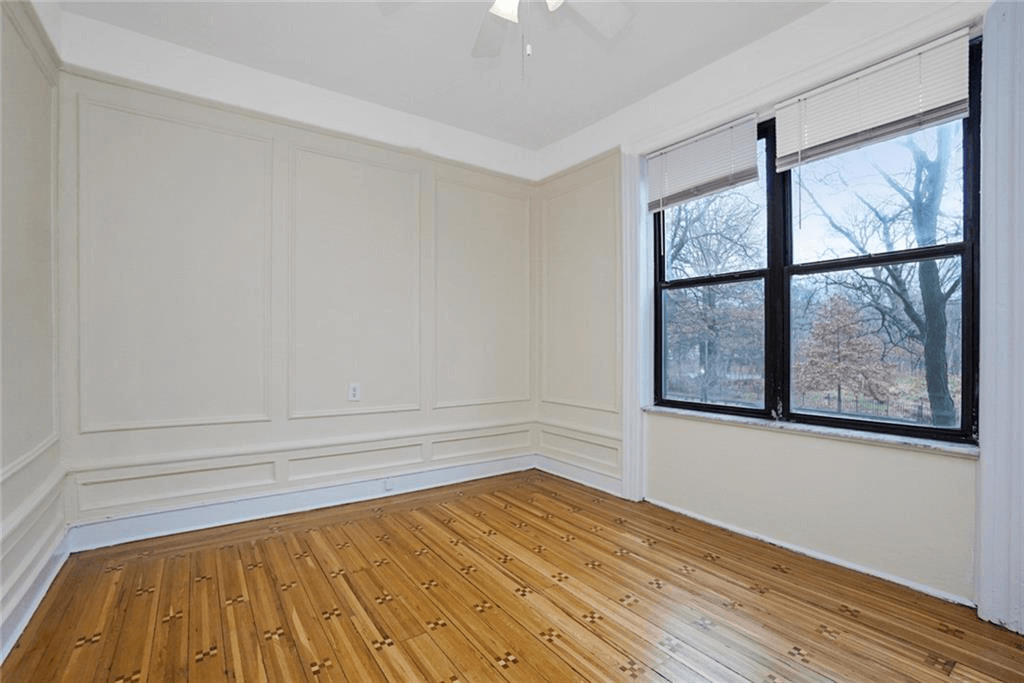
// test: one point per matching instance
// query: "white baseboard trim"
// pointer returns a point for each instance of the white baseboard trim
(134, 527)
(580, 475)
(825, 557)
(16, 619)
(107, 532)
(116, 530)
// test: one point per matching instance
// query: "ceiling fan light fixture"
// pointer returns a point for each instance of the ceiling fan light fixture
(507, 9)
(554, 4)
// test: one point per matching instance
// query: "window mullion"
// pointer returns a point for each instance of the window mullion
(776, 289)
(659, 271)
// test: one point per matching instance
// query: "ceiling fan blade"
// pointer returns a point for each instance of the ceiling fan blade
(609, 17)
(491, 37)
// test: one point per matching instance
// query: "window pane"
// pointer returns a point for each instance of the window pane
(720, 233)
(881, 343)
(713, 344)
(898, 194)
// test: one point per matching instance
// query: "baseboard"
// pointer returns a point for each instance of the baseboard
(17, 618)
(825, 557)
(581, 475)
(135, 527)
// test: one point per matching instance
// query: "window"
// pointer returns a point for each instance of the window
(841, 291)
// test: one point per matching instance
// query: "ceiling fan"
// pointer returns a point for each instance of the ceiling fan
(609, 18)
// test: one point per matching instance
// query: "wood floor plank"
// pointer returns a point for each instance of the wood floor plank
(131, 655)
(500, 638)
(206, 633)
(315, 570)
(170, 630)
(623, 586)
(280, 656)
(537, 620)
(311, 640)
(522, 577)
(93, 627)
(244, 659)
(518, 598)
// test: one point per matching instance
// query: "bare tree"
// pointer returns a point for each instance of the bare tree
(714, 234)
(719, 233)
(910, 299)
(842, 352)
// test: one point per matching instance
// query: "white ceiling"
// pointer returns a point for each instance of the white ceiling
(415, 57)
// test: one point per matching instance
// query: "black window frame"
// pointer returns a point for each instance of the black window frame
(780, 269)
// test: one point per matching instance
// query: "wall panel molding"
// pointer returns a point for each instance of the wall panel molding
(333, 466)
(35, 533)
(477, 267)
(30, 457)
(579, 430)
(87, 534)
(169, 481)
(479, 445)
(177, 484)
(288, 448)
(572, 329)
(582, 405)
(587, 451)
(20, 491)
(130, 104)
(47, 492)
(358, 165)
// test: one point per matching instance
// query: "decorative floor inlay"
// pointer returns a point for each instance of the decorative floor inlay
(523, 577)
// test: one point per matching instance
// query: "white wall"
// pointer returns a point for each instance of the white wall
(579, 312)
(229, 277)
(30, 474)
(903, 513)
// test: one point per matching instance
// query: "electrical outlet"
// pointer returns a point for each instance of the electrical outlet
(354, 392)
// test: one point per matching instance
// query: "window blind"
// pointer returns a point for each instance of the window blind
(919, 88)
(710, 162)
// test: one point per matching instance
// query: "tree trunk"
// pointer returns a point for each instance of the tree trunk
(931, 178)
(935, 361)
(710, 362)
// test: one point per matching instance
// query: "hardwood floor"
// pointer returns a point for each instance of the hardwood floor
(524, 577)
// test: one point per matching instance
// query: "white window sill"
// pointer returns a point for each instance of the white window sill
(965, 451)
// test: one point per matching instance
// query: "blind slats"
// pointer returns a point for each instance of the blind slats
(920, 88)
(719, 159)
